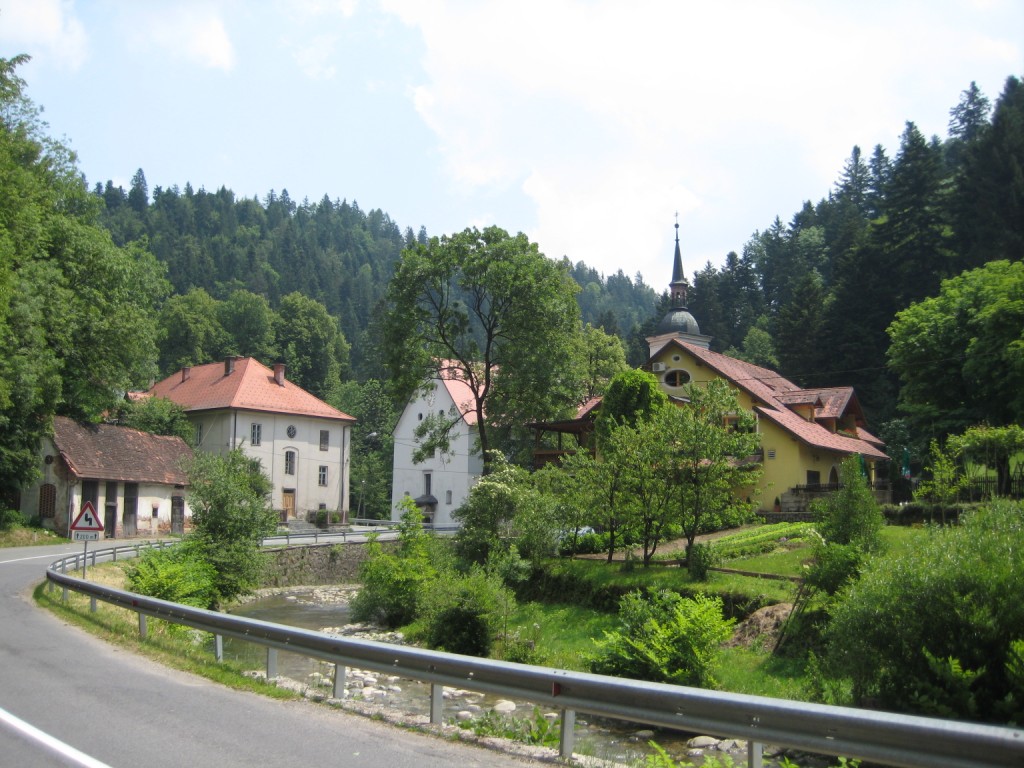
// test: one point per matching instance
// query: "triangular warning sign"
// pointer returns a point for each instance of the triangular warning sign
(87, 519)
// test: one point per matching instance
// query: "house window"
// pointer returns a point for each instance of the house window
(199, 434)
(322, 476)
(813, 477)
(771, 453)
(325, 439)
(677, 378)
(448, 498)
(289, 462)
(426, 483)
(256, 435)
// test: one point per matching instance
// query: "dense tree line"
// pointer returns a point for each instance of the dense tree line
(827, 285)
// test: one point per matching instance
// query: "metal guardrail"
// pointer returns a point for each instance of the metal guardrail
(379, 527)
(890, 739)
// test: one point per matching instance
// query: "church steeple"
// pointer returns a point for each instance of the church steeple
(678, 287)
(678, 323)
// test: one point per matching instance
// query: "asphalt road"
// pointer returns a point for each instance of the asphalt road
(125, 711)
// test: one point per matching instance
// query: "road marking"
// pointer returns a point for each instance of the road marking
(48, 741)
(34, 557)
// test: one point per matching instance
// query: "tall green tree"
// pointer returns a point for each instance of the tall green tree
(491, 307)
(960, 354)
(192, 333)
(81, 331)
(989, 199)
(707, 439)
(231, 514)
(631, 397)
(311, 344)
(249, 323)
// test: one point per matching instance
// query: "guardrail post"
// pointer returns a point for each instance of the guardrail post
(271, 663)
(567, 735)
(340, 678)
(754, 754)
(143, 626)
(218, 647)
(92, 602)
(436, 703)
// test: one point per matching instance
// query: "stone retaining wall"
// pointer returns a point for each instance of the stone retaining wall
(315, 564)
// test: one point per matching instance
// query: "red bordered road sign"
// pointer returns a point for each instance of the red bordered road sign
(87, 525)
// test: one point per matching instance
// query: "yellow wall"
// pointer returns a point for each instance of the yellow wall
(792, 458)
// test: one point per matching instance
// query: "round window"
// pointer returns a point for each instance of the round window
(291, 430)
(677, 378)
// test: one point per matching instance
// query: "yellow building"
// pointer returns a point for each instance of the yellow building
(805, 433)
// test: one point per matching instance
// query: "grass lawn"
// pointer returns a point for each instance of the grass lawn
(25, 536)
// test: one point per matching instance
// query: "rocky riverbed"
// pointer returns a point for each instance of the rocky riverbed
(406, 703)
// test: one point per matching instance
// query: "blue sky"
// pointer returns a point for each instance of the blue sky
(586, 124)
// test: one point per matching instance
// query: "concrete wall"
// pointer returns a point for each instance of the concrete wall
(316, 564)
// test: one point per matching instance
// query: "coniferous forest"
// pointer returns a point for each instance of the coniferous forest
(812, 296)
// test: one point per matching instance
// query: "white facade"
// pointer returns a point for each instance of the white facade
(305, 457)
(447, 477)
(126, 507)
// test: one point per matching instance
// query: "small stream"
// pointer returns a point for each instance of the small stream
(609, 740)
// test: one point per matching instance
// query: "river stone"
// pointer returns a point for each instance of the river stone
(644, 735)
(551, 716)
(463, 715)
(474, 708)
(394, 689)
(702, 742)
(504, 706)
(369, 692)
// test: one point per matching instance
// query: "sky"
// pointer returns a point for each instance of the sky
(587, 124)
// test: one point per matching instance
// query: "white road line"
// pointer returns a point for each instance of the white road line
(48, 741)
(55, 555)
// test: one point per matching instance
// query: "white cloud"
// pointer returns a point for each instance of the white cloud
(193, 31)
(314, 57)
(47, 24)
(611, 116)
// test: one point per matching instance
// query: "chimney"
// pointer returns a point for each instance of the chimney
(186, 371)
(279, 374)
(229, 366)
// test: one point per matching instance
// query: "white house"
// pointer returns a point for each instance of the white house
(302, 442)
(439, 484)
(134, 480)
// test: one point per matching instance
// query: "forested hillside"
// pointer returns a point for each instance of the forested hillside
(812, 297)
(330, 251)
(824, 287)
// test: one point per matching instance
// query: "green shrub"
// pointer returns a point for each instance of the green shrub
(850, 515)
(934, 631)
(834, 566)
(178, 574)
(462, 613)
(700, 560)
(393, 584)
(665, 638)
(10, 518)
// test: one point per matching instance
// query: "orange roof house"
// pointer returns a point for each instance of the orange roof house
(302, 442)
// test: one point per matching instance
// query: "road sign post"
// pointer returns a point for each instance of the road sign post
(85, 528)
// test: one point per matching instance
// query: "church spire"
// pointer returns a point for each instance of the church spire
(678, 287)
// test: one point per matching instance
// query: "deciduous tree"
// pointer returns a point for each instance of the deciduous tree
(491, 307)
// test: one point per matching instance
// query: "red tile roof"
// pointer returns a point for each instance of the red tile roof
(250, 386)
(773, 395)
(460, 391)
(110, 452)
